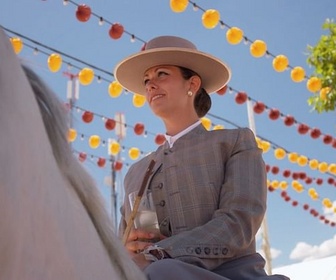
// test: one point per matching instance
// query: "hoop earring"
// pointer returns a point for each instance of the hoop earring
(189, 93)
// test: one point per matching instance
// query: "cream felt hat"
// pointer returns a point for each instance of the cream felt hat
(171, 50)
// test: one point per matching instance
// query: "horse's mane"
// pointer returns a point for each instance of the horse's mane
(55, 119)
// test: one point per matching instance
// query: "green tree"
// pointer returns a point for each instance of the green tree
(322, 57)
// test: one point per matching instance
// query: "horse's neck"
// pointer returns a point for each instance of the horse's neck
(46, 232)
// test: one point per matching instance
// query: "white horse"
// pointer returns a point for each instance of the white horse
(53, 224)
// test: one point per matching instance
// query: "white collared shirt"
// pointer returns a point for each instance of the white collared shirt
(172, 139)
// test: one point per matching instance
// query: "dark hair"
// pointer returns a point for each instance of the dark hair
(202, 101)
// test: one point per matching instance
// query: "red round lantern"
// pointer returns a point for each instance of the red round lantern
(308, 180)
(87, 117)
(295, 175)
(286, 173)
(289, 120)
(116, 31)
(82, 157)
(295, 203)
(83, 13)
(101, 162)
(319, 181)
(110, 124)
(222, 91)
(315, 133)
(268, 167)
(117, 165)
(275, 170)
(305, 206)
(327, 139)
(160, 139)
(259, 107)
(241, 97)
(302, 128)
(274, 114)
(139, 129)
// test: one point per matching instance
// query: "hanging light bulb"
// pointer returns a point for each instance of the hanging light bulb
(132, 38)
(101, 21)
(36, 51)
(65, 2)
(195, 7)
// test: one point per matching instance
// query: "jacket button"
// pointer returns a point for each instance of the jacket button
(190, 250)
(160, 186)
(198, 250)
(225, 251)
(162, 203)
(207, 250)
(215, 251)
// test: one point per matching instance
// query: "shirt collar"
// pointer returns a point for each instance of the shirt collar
(172, 139)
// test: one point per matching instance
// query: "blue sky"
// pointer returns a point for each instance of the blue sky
(286, 26)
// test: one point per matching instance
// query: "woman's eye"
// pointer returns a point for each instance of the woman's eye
(162, 73)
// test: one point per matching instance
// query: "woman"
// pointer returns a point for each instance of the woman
(209, 187)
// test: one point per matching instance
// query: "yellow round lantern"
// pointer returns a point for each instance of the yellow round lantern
(139, 100)
(279, 153)
(298, 74)
(72, 135)
(206, 123)
(210, 18)
(265, 146)
(327, 203)
(94, 141)
(314, 84)
(218, 127)
(114, 148)
(283, 185)
(313, 164)
(324, 93)
(178, 6)
(302, 160)
(295, 185)
(258, 48)
(86, 76)
(275, 184)
(323, 167)
(16, 44)
(332, 168)
(115, 89)
(280, 63)
(134, 153)
(292, 157)
(234, 35)
(54, 62)
(313, 194)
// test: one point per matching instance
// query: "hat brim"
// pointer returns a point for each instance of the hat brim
(214, 73)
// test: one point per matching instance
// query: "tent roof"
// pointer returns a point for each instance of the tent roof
(321, 269)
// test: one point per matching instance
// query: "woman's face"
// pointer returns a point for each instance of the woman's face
(166, 91)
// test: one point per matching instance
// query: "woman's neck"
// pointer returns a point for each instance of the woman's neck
(174, 127)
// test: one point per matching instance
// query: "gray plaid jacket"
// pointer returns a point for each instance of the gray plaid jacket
(210, 195)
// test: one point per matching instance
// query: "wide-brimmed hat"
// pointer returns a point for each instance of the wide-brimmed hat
(171, 50)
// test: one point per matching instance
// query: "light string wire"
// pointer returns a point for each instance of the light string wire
(111, 74)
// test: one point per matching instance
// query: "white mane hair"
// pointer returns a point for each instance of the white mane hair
(55, 119)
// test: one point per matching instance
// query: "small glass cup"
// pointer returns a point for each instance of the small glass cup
(146, 217)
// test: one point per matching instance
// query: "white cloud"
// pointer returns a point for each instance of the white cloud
(274, 253)
(305, 252)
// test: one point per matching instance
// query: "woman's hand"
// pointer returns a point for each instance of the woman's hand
(138, 240)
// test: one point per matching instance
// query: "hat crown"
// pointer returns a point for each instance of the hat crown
(169, 42)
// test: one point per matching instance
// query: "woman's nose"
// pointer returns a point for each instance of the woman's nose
(150, 86)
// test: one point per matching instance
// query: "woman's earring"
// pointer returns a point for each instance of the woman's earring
(190, 93)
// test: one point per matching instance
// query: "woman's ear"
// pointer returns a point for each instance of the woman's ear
(195, 83)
